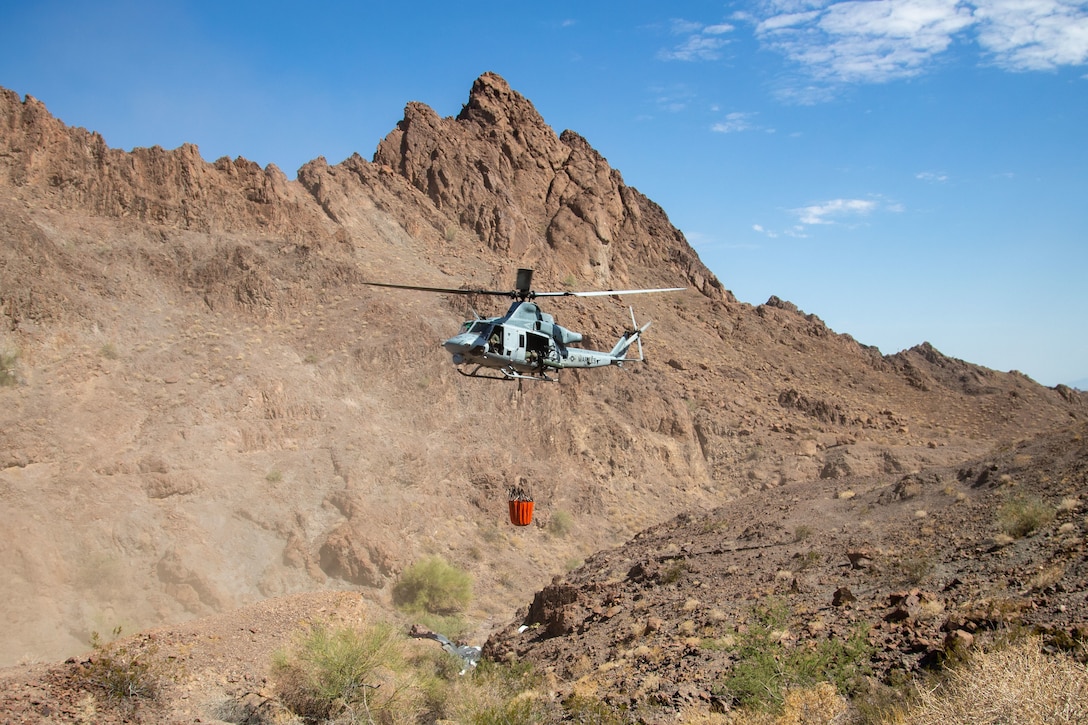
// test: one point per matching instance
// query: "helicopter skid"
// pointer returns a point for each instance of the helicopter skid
(507, 373)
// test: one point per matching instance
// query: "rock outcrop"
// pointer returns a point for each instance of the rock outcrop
(202, 406)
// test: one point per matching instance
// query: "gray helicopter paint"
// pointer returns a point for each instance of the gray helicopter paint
(527, 342)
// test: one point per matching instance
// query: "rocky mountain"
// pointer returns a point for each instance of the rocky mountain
(202, 407)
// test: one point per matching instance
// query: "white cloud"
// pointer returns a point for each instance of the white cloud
(734, 123)
(1034, 34)
(931, 176)
(696, 47)
(828, 211)
(786, 20)
(701, 42)
(833, 212)
(874, 41)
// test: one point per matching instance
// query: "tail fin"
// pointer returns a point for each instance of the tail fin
(620, 350)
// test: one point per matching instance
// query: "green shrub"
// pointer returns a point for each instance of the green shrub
(766, 669)
(1023, 515)
(7, 368)
(358, 673)
(675, 572)
(560, 524)
(121, 671)
(433, 585)
(584, 709)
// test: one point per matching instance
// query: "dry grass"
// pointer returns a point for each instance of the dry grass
(1024, 515)
(1017, 684)
(820, 704)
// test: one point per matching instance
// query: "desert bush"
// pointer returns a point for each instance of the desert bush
(766, 670)
(507, 694)
(433, 585)
(348, 674)
(1022, 515)
(560, 523)
(121, 671)
(7, 368)
(1017, 683)
(913, 568)
(587, 709)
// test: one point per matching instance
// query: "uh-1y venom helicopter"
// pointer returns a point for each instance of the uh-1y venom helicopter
(526, 343)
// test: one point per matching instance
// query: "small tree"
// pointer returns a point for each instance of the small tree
(434, 586)
(336, 672)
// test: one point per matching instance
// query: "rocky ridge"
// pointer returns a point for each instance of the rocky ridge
(208, 410)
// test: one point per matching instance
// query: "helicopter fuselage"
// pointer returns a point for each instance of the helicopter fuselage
(526, 342)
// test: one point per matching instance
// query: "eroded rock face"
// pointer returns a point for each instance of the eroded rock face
(504, 174)
(348, 555)
(74, 168)
(555, 610)
(208, 408)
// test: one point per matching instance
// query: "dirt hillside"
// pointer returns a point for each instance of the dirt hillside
(203, 409)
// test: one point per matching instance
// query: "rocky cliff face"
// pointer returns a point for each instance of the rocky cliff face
(501, 171)
(202, 407)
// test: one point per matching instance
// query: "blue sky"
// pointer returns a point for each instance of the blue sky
(908, 170)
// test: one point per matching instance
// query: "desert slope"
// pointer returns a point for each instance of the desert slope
(204, 408)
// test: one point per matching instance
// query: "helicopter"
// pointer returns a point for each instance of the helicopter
(527, 343)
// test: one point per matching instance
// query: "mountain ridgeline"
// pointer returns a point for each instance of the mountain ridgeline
(202, 407)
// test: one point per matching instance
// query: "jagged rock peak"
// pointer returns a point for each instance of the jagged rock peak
(492, 103)
(540, 199)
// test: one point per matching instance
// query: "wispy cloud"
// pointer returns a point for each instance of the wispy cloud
(876, 41)
(932, 176)
(673, 98)
(1034, 34)
(759, 229)
(847, 212)
(829, 211)
(735, 123)
(699, 42)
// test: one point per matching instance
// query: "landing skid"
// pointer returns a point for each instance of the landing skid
(507, 373)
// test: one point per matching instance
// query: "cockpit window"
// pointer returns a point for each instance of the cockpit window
(477, 326)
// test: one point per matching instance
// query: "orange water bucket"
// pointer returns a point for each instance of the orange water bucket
(521, 512)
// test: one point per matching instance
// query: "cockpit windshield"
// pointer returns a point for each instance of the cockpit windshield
(476, 326)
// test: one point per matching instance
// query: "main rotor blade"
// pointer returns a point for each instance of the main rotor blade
(603, 293)
(444, 290)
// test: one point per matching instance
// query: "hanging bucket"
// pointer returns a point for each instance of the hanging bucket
(521, 513)
(521, 507)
